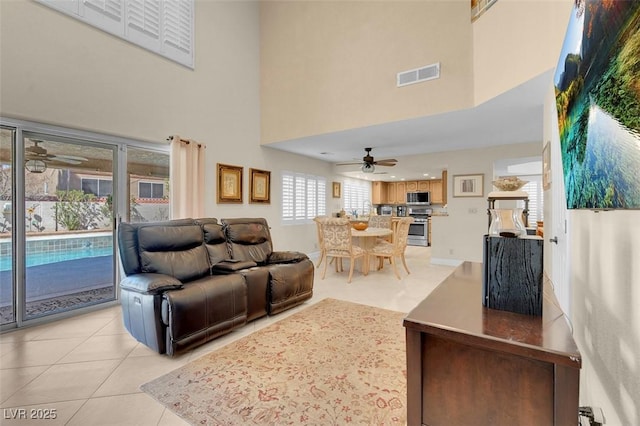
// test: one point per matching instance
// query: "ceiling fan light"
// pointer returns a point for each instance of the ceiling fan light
(368, 168)
(35, 166)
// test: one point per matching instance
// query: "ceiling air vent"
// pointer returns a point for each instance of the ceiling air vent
(418, 75)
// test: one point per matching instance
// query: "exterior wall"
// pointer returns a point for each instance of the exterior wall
(330, 66)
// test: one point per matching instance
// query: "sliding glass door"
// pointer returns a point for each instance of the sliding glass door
(62, 193)
(69, 224)
(7, 290)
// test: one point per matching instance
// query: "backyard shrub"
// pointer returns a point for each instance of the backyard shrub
(76, 210)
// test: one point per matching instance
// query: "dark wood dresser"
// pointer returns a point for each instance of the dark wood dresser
(471, 365)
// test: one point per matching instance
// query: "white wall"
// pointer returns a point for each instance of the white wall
(57, 70)
(596, 276)
(458, 236)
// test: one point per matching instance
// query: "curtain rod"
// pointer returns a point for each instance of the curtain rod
(187, 141)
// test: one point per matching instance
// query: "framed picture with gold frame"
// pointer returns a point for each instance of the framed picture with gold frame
(229, 183)
(259, 186)
(336, 190)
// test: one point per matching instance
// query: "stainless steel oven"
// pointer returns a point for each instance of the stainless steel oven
(419, 229)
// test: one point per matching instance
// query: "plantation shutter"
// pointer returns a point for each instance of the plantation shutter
(303, 197)
(161, 26)
(288, 199)
(104, 14)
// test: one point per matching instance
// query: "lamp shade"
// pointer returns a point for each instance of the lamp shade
(35, 166)
(368, 168)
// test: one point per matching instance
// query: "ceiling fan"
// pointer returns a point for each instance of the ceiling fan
(38, 157)
(369, 163)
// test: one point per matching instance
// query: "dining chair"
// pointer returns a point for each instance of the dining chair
(381, 222)
(336, 237)
(391, 251)
(323, 253)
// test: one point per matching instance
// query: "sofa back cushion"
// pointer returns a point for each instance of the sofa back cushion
(173, 250)
(128, 242)
(248, 239)
(215, 242)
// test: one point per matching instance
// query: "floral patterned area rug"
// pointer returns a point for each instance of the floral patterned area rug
(334, 363)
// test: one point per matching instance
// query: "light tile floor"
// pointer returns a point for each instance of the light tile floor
(87, 370)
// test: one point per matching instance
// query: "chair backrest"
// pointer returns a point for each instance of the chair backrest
(380, 222)
(401, 235)
(319, 220)
(336, 235)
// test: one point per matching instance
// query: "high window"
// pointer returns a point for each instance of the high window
(303, 197)
(164, 27)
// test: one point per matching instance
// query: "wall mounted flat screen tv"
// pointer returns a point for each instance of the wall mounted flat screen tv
(597, 85)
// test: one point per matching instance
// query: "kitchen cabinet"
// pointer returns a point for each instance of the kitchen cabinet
(378, 192)
(412, 186)
(423, 185)
(396, 192)
(444, 187)
(436, 191)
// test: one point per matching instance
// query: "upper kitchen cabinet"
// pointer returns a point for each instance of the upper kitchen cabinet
(396, 192)
(379, 193)
(435, 186)
(423, 185)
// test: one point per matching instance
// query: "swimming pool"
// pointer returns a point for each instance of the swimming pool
(44, 258)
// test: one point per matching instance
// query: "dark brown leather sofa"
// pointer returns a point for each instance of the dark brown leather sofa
(189, 281)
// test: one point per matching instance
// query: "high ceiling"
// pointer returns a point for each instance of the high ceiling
(512, 117)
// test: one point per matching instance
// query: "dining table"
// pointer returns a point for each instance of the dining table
(366, 239)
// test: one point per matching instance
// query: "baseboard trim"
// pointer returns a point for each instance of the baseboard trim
(447, 262)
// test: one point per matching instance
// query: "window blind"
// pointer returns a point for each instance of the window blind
(164, 27)
(357, 196)
(303, 197)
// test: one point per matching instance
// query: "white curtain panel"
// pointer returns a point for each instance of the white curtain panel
(186, 178)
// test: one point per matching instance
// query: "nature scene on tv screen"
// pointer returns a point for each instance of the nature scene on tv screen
(597, 85)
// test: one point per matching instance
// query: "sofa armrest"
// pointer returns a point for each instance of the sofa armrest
(228, 266)
(286, 257)
(150, 283)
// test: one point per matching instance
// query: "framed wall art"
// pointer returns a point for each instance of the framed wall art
(468, 185)
(337, 193)
(229, 184)
(259, 186)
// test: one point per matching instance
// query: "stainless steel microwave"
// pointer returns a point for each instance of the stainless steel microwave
(419, 197)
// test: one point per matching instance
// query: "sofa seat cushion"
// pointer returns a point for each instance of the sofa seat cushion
(290, 284)
(204, 309)
(173, 250)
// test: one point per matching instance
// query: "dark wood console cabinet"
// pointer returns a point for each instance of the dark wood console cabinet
(471, 365)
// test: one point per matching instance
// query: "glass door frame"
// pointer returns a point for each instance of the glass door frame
(120, 206)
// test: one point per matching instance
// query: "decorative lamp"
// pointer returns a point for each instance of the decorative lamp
(368, 168)
(35, 166)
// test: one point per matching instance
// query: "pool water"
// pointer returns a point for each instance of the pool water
(44, 258)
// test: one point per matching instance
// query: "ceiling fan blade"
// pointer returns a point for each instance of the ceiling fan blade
(386, 163)
(56, 159)
(68, 157)
(349, 164)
